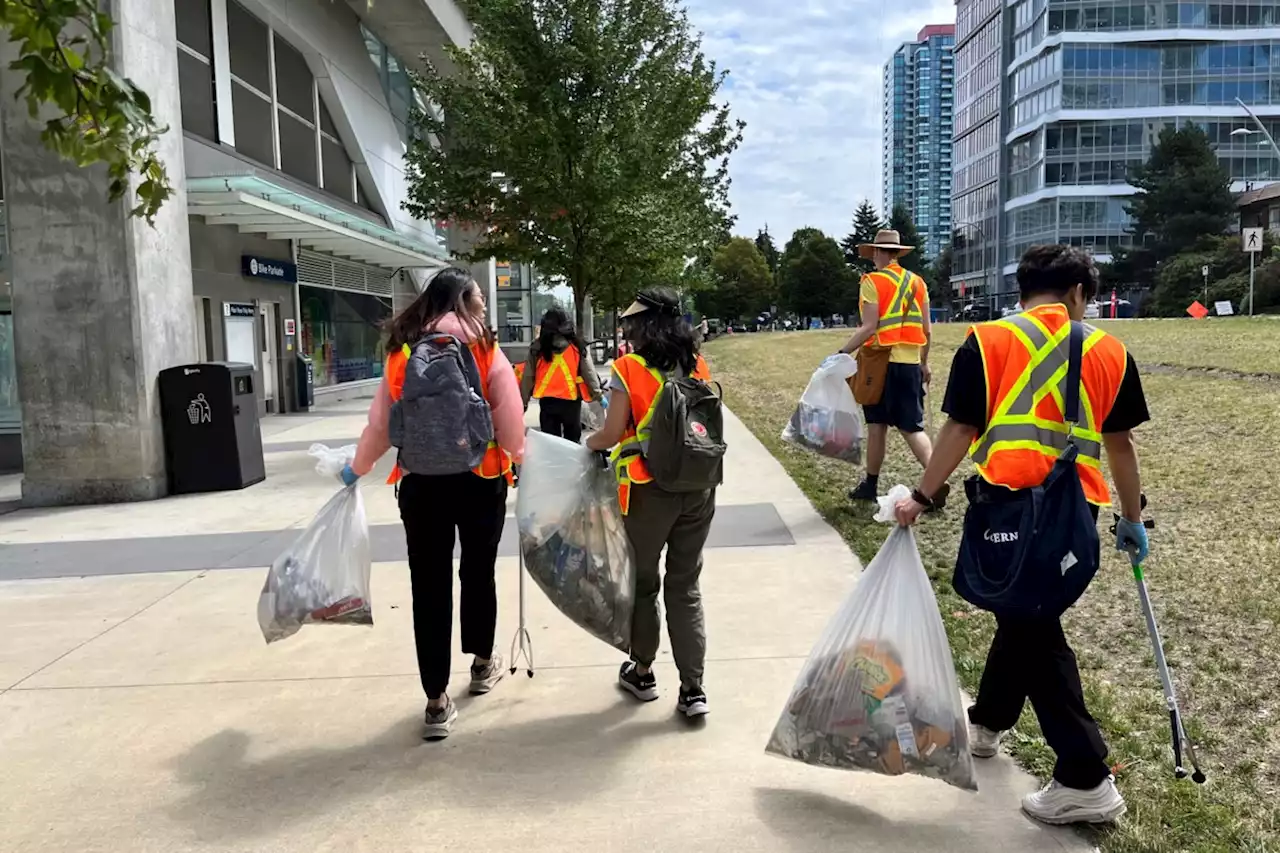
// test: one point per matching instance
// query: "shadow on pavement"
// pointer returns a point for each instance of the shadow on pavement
(811, 822)
(232, 796)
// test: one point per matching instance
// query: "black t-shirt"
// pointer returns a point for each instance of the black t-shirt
(966, 397)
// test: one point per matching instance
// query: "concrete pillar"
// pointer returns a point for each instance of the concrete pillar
(101, 302)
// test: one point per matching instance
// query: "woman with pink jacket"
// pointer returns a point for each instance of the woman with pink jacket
(473, 504)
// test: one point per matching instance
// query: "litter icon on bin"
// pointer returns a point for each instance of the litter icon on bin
(198, 411)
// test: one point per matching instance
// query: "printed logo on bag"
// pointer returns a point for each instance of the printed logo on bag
(997, 537)
(698, 429)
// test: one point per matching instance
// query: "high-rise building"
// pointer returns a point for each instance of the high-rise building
(917, 133)
(1051, 117)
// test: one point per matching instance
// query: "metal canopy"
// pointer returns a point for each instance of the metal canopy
(257, 206)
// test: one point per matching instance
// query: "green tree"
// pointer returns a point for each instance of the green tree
(900, 221)
(940, 292)
(584, 136)
(866, 222)
(772, 257)
(743, 282)
(815, 279)
(1180, 281)
(64, 58)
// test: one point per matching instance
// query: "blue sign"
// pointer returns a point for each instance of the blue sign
(256, 267)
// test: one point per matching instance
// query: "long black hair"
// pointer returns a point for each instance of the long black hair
(662, 337)
(557, 322)
(450, 291)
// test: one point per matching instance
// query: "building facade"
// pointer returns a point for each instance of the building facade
(285, 236)
(1083, 92)
(917, 128)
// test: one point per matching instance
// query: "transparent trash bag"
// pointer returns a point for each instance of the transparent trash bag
(827, 420)
(572, 539)
(323, 577)
(879, 690)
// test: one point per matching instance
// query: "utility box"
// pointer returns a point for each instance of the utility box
(212, 437)
(306, 382)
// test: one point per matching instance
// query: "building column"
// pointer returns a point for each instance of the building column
(101, 301)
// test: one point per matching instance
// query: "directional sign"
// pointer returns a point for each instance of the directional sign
(1251, 239)
(1223, 308)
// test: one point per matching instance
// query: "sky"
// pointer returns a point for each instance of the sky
(805, 75)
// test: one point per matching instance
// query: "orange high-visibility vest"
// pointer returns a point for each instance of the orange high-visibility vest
(643, 384)
(560, 378)
(519, 369)
(902, 295)
(496, 462)
(1024, 358)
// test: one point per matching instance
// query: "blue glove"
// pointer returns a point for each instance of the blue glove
(349, 477)
(1131, 536)
(604, 403)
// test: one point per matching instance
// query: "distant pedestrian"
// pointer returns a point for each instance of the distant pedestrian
(436, 508)
(894, 304)
(560, 376)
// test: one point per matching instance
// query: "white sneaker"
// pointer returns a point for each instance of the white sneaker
(1058, 804)
(983, 743)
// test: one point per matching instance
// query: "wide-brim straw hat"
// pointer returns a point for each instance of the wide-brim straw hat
(886, 241)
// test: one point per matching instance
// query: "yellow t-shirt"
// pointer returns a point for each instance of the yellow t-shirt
(901, 353)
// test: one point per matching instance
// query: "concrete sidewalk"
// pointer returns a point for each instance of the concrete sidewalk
(142, 711)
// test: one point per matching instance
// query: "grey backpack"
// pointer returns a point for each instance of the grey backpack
(686, 436)
(442, 422)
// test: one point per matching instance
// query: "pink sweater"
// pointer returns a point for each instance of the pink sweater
(503, 394)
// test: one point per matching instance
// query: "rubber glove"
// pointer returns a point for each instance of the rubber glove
(1131, 536)
(349, 477)
(604, 403)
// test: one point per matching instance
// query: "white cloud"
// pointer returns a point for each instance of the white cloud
(805, 75)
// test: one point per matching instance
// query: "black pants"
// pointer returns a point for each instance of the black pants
(432, 508)
(561, 418)
(1030, 659)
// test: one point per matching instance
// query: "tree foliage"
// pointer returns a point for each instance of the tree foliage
(64, 58)
(866, 222)
(1180, 280)
(769, 251)
(815, 279)
(940, 292)
(900, 221)
(582, 136)
(743, 282)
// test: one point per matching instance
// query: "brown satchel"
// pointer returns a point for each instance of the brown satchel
(868, 383)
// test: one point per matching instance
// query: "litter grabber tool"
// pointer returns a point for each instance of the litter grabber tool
(1177, 731)
(521, 643)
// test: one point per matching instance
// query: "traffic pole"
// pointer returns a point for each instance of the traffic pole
(1251, 254)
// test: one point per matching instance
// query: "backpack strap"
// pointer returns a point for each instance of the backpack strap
(1075, 358)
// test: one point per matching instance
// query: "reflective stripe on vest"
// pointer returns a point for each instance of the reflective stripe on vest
(560, 377)
(496, 462)
(1018, 423)
(901, 318)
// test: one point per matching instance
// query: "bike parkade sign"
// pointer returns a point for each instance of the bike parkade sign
(268, 268)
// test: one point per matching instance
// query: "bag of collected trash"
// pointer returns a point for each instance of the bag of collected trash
(879, 690)
(827, 420)
(572, 539)
(323, 577)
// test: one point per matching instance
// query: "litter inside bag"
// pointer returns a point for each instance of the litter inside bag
(879, 690)
(323, 577)
(827, 420)
(572, 539)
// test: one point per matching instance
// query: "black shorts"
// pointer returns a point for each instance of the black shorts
(902, 404)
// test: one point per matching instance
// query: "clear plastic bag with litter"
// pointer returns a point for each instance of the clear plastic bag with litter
(827, 420)
(572, 539)
(879, 690)
(323, 577)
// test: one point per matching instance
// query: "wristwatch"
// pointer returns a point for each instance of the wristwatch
(922, 499)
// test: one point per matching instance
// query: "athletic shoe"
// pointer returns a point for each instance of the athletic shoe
(643, 687)
(865, 491)
(692, 703)
(439, 721)
(483, 678)
(1058, 804)
(983, 743)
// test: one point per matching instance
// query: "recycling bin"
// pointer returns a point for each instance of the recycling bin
(212, 438)
(306, 382)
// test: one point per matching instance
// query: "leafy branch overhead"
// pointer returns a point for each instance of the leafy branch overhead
(582, 136)
(64, 55)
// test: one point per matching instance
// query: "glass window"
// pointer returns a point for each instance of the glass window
(192, 18)
(252, 119)
(337, 169)
(298, 149)
(294, 84)
(248, 46)
(195, 87)
(326, 120)
(342, 333)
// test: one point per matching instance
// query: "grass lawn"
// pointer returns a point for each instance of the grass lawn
(1211, 470)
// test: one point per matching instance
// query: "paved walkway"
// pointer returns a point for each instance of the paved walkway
(141, 711)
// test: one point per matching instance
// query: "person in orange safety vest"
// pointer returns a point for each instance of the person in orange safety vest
(1005, 401)
(664, 345)
(560, 376)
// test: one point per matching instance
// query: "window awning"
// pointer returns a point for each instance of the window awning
(257, 206)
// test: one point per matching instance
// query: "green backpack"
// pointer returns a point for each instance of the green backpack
(686, 436)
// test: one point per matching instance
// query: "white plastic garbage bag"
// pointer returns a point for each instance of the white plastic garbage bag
(572, 539)
(879, 690)
(827, 420)
(323, 577)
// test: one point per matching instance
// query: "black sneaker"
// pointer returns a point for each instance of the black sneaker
(643, 687)
(692, 703)
(865, 491)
